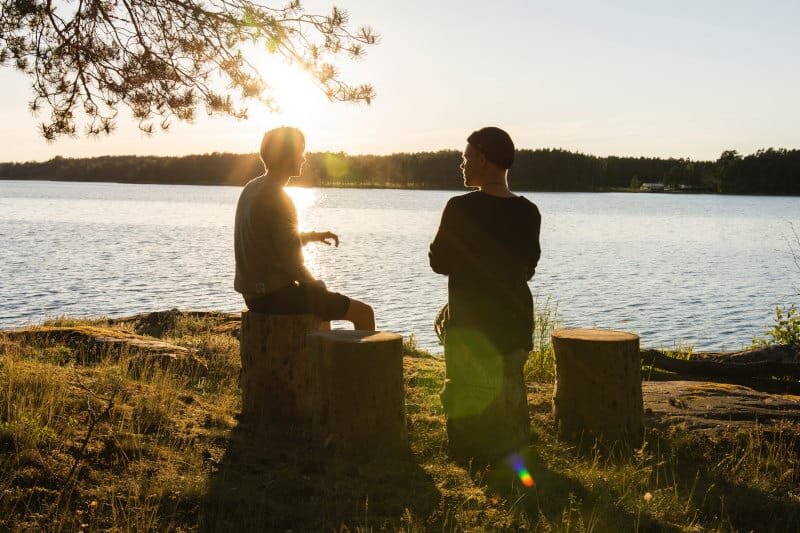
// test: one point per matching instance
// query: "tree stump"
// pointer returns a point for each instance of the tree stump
(598, 390)
(275, 378)
(359, 398)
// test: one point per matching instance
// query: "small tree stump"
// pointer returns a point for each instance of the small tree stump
(359, 398)
(598, 390)
(275, 379)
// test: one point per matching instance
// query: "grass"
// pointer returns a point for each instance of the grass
(541, 364)
(100, 447)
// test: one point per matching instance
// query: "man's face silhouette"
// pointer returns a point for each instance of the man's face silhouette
(471, 166)
(298, 159)
(292, 165)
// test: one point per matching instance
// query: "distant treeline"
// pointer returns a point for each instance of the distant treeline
(770, 171)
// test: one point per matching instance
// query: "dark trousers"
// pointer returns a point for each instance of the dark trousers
(485, 401)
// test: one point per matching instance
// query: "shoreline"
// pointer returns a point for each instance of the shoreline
(437, 351)
(393, 187)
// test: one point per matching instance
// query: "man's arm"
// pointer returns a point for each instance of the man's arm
(322, 236)
(440, 254)
(534, 248)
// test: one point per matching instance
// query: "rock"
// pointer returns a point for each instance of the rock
(162, 323)
(231, 328)
(709, 406)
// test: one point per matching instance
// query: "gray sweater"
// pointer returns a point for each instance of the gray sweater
(267, 241)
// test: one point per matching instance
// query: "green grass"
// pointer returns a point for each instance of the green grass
(541, 364)
(167, 452)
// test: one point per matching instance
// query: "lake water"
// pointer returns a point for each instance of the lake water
(704, 270)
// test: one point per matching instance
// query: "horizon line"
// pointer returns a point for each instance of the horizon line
(432, 151)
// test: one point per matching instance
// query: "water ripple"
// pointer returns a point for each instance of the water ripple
(700, 270)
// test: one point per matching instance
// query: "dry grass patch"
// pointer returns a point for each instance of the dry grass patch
(106, 448)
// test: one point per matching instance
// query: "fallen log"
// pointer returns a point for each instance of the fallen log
(771, 361)
(765, 385)
(92, 344)
(778, 353)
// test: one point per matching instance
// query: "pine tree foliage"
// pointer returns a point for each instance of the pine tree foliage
(165, 59)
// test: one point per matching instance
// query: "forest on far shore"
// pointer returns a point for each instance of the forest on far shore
(767, 171)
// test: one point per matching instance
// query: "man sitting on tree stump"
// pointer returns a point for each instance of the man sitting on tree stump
(488, 246)
(270, 272)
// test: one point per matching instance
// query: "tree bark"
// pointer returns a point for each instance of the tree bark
(275, 379)
(728, 367)
(359, 397)
(598, 391)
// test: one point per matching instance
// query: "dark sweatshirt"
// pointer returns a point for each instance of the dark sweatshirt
(488, 247)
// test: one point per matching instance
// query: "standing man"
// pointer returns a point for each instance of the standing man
(270, 272)
(488, 246)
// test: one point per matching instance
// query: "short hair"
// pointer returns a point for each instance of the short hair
(279, 143)
(495, 145)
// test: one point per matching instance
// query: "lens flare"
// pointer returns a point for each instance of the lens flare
(524, 475)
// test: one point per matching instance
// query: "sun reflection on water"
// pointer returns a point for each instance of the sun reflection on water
(304, 200)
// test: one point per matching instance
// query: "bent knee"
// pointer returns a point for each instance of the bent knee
(361, 315)
(360, 308)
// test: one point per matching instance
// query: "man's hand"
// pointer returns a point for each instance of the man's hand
(328, 238)
(319, 236)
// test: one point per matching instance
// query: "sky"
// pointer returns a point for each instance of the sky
(667, 79)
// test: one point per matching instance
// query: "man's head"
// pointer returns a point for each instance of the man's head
(282, 151)
(488, 155)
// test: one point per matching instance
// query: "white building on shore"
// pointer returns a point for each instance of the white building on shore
(652, 187)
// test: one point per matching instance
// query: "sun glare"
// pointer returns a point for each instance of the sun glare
(301, 103)
(303, 199)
